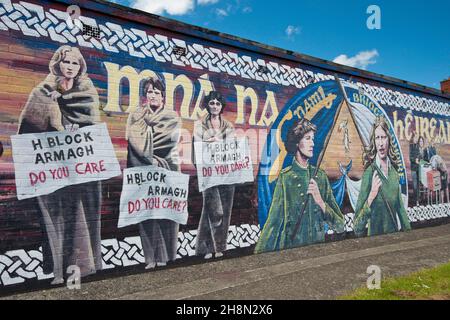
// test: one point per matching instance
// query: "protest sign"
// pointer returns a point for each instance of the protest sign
(46, 162)
(151, 192)
(223, 163)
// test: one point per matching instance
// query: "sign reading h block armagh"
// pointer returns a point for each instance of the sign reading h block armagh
(223, 163)
(153, 193)
(46, 162)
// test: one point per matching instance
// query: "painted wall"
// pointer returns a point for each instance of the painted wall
(83, 104)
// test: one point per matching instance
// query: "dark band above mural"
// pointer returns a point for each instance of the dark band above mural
(116, 151)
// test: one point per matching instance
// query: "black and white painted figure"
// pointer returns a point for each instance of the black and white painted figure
(218, 200)
(70, 217)
(153, 133)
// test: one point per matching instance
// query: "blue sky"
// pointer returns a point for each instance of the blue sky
(413, 43)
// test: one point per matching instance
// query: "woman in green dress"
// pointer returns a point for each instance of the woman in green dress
(294, 185)
(380, 204)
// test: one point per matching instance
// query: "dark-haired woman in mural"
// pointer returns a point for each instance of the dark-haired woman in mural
(294, 185)
(67, 99)
(153, 133)
(380, 204)
(416, 154)
(218, 200)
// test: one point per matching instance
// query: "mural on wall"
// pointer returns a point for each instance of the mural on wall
(376, 200)
(153, 156)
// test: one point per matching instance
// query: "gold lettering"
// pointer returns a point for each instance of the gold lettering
(408, 119)
(298, 110)
(398, 126)
(317, 100)
(418, 134)
(424, 125)
(442, 134)
(433, 123)
(244, 94)
(316, 97)
(115, 76)
(307, 106)
(328, 101)
(448, 132)
(205, 88)
(271, 104)
(171, 86)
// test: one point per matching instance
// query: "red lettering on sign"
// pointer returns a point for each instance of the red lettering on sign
(90, 167)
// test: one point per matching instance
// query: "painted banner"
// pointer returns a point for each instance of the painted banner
(151, 192)
(46, 162)
(223, 163)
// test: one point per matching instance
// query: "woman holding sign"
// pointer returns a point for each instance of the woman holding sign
(217, 201)
(70, 217)
(153, 133)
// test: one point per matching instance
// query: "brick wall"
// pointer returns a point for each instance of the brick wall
(258, 84)
(445, 86)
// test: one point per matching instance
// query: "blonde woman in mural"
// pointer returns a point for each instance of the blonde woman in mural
(153, 133)
(294, 185)
(218, 200)
(67, 99)
(380, 204)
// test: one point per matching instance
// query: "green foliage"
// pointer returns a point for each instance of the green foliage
(426, 284)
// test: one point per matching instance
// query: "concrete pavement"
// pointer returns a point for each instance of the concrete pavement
(322, 271)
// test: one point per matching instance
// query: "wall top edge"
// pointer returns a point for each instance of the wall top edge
(135, 15)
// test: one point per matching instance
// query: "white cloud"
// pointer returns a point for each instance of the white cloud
(221, 12)
(173, 7)
(361, 60)
(247, 10)
(206, 2)
(292, 30)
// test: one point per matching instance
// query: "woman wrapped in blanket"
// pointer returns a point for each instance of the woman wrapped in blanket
(70, 217)
(153, 133)
(218, 200)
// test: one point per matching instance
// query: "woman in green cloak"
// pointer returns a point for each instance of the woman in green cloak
(380, 204)
(294, 185)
